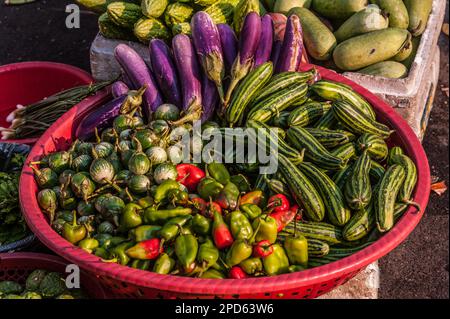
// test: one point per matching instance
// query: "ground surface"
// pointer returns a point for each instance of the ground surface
(416, 269)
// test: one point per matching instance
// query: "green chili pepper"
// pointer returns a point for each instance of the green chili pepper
(102, 252)
(178, 197)
(172, 228)
(251, 266)
(88, 244)
(241, 182)
(145, 202)
(163, 189)
(228, 197)
(186, 248)
(154, 216)
(131, 216)
(209, 188)
(119, 252)
(73, 232)
(297, 250)
(239, 251)
(208, 254)
(267, 228)
(201, 224)
(144, 232)
(276, 263)
(219, 172)
(140, 264)
(240, 226)
(164, 264)
(251, 211)
(213, 274)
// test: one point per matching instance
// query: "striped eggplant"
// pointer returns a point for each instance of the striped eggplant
(229, 43)
(119, 88)
(264, 49)
(165, 72)
(139, 75)
(248, 43)
(190, 77)
(100, 118)
(206, 38)
(292, 48)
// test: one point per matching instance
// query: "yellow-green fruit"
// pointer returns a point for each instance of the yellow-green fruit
(154, 8)
(386, 69)
(177, 13)
(396, 9)
(367, 20)
(124, 14)
(370, 48)
(98, 6)
(418, 11)
(319, 40)
(404, 53)
(338, 9)
(283, 6)
(243, 8)
(222, 11)
(204, 3)
(110, 30)
(181, 28)
(147, 29)
(410, 59)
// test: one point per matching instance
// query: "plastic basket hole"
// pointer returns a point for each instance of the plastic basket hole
(296, 293)
(324, 285)
(235, 296)
(11, 272)
(124, 285)
(319, 292)
(306, 296)
(267, 294)
(309, 290)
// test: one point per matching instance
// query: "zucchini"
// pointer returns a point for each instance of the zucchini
(386, 196)
(315, 230)
(295, 156)
(333, 91)
(300, 138)
(345, 152)
(331, 195)
(331, 138)
(308, 113)
(246, 91)
(396, 150)
(302, 189)
(353, 120)
(327, 121)
(405, 192)
(360, 225)
(376, 146)
(358, 190)
(271, 106)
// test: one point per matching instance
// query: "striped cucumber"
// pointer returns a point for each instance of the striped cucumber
(282, 81)
(302, 189)
(376, 172)
(291, 153)
(271, 106)
(308, 113)
(341, 176)
(399, 209)
(353, 120)
(345, 152)
(360, 224)
(375, 146)
(404, 195)
(246, 92)
(315, 230)
(333, 91)
(331, 138)
(358, 190)
(331, 195)
(261, 183)
(278, 187)
(386, 196)
(300, 138)
(396, 150)
(327, 121)
(341, 252)
(317, 248)
(282, 119)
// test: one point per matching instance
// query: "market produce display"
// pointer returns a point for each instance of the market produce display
(122, 192)
(39, 284)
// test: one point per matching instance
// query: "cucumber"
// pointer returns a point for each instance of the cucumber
(302, 189)
(376, 172)
(300, 138)
(278, 187)
(386, 196)
(405, 192)
(308, 113)
(315, 230)
(357, 122)
(271, 106)
(358, 190)
(246, 91)
(345, 152)
(332, 91)
(360, 224)
(282, 147)
(331, 195)
(327, 121)
(376, 146)
(331, 138)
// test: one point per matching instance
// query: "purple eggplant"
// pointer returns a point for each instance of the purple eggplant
(190, 77)
(209, 48)
(119, 88)
(248, 43)
(292, 48)
(276, 50)
(229, 44)
(210, 98)
(100, 118)
(139, 75)
(264, 49)
(165, 72)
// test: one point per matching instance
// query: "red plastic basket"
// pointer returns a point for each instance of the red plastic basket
(18, 266)
(127, 282)
(28, 82)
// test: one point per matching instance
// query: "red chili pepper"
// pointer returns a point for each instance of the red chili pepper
(199, 204)
(237, 272)
(279, 203)
(146, 250)
(212, 207)
(262, 249)
(220, 232)
(190, 175)
(285, 217)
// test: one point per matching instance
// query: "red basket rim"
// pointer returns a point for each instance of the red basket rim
(381, 247)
